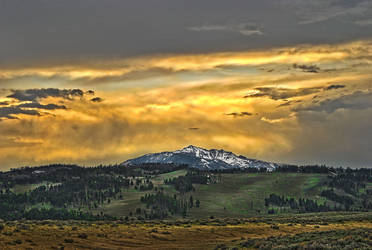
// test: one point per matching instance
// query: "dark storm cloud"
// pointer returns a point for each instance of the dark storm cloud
(73, 29)
(283, 93)
(35, 94)
(355, 101)
(340, 138)
(36, 105)
(239, 114)
(307, 68)
(289, 103)
(31, 97)
(32, 108)
(97, 99)
(9, 112)
(335, 86)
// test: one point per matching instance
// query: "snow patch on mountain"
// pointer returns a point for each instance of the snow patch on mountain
(201, 158)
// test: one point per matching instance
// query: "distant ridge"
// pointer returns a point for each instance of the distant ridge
(201, 158)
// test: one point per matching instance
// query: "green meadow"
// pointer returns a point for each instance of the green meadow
(235, 195)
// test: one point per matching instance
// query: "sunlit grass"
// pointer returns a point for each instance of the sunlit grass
(177, 234)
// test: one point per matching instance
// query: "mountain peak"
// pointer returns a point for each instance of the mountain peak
(201, 158)
(190, 148)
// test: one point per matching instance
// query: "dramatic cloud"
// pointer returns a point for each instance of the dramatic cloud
(36, 105)
(282, 93)
(32, 109)
(354, 101)
(285, 104)
(341, 138)
(138, 28)
(240, 114)
(97, 99)
(35, 94)
(166, 101)
(307, 68)
(120, 71)
(27, 101)
(335, 86)
(9, 112)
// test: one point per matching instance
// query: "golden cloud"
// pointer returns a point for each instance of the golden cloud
(153, 113)
(359, 51)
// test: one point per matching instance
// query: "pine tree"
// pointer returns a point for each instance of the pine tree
(197, 203)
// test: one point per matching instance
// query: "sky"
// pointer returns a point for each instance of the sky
(98, 82)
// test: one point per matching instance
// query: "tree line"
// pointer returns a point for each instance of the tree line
(162, 205)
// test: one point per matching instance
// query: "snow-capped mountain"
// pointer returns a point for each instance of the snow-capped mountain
(202, 158)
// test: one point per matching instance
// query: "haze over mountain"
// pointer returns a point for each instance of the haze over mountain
(201, 158)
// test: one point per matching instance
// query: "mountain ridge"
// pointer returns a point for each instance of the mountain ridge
(204, 159)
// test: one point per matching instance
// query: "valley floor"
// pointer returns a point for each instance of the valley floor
(315, 231)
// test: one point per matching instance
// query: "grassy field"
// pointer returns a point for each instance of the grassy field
(160, 178)
(325, 230)
(18, 189)
(131, 196)
(237, 195)
(243, 194)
